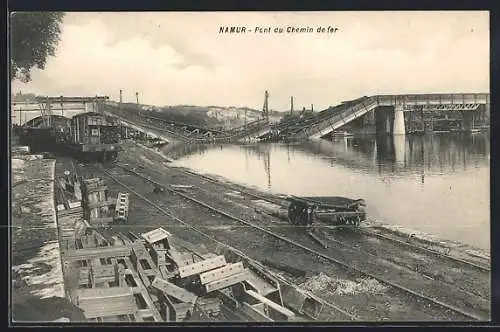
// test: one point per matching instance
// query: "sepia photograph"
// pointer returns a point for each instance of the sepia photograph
(310, 166)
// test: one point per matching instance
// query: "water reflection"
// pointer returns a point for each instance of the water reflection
(435, 183)
(438, 153)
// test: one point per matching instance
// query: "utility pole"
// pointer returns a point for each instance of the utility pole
(291, 105)
(62, 106)
(121, 97)
(137, 97)
(265, 109)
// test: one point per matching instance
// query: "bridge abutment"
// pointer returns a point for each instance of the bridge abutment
(468, 121)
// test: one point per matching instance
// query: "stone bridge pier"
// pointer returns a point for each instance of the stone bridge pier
(390, 120)
(398, 127)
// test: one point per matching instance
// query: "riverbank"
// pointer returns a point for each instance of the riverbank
(434, 184)
(408, 234)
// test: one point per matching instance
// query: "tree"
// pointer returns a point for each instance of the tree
(34, 37)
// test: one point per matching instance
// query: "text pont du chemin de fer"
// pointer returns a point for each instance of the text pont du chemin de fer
(277, 30)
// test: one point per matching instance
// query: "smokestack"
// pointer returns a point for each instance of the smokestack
(137, 97)
(312, 107)
(291, 105)
(121, 96)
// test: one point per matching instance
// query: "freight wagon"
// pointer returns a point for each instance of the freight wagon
(333, 210)
(87, 136)
(94, 136)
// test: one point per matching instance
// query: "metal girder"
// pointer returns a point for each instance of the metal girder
(62, 99)
(226, 282)
(259, 283)
(274, 308)
(254, 313)
(302, 302)
(452, 107)
(172, 290)
(208, 264)
(221, 273)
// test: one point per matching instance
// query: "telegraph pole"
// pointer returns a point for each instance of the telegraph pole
(265, 109)
(137, 97)
(291, 105)
(121, 97)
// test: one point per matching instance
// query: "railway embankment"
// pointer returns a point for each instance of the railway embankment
(268, 203)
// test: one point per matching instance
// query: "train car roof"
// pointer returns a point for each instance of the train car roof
(87, 114)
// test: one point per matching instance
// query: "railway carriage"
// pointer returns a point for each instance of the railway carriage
(95, 136)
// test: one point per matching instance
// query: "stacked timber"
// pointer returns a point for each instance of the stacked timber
(96, 203)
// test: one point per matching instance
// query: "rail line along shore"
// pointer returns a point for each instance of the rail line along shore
(141, 240)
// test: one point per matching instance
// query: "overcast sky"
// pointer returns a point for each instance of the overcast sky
(181, 58)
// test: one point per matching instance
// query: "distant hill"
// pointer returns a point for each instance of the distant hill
(203, 116)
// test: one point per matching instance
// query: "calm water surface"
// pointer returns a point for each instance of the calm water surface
(436, 183)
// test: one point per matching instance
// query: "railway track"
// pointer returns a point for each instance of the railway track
(458, 311)
(472, 279)
(340, 314)
(462, 262)
(366, 231)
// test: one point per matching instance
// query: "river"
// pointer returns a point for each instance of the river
(436, 183)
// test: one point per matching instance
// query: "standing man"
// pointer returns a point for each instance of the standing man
(311, 218)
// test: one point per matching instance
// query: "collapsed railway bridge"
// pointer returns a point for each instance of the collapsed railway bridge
(389, 114)
(393, 114)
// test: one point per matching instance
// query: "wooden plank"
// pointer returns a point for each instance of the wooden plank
(103, 252)
(104, 220)
(94, 205)
(101, 293)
